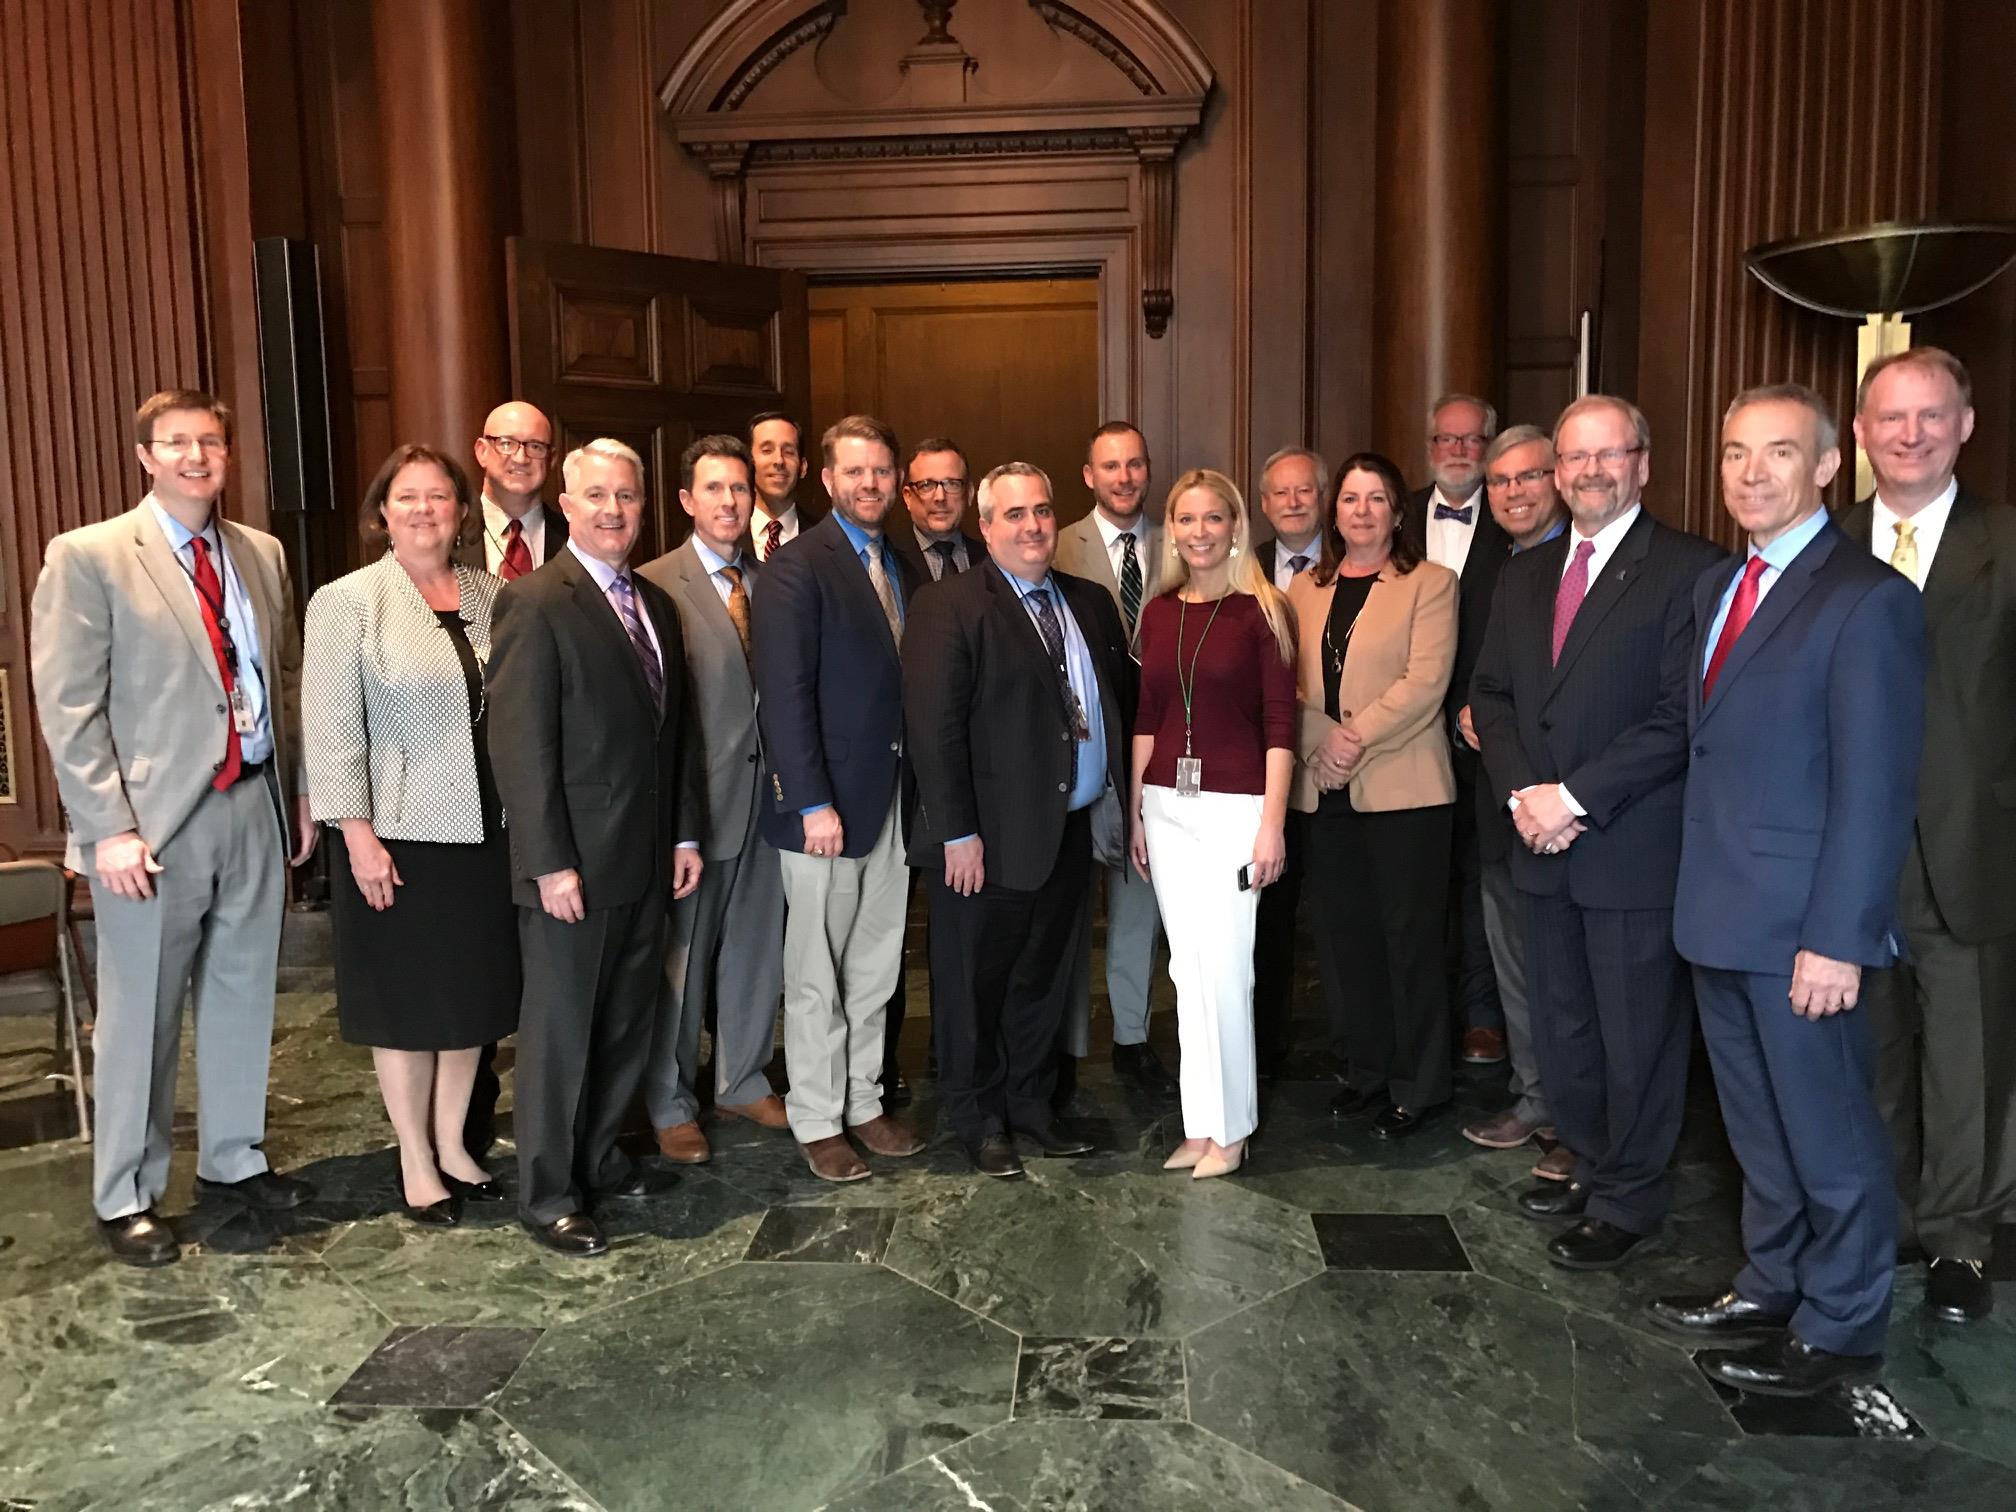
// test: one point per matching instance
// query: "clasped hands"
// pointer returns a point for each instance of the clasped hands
(1336, 760)
(1544, 820)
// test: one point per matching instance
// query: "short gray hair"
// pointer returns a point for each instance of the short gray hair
(609, 449)
(985, 499)
(1640, 427)
(1515, 437)
(1789, 393)
(1490, 412)
(1315, 459)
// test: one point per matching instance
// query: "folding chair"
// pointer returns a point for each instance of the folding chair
(38, 964)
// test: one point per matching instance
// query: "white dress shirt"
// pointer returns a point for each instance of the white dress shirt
(1605, 543)
(1930, 523)
(759, 529)
(532, 529)
(1449, 540)
(1115, 553)
(1284, 553)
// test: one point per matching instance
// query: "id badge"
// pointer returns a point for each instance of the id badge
(241, 710)
(1189, 776)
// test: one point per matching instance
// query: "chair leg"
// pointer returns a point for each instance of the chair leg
(76, 1040)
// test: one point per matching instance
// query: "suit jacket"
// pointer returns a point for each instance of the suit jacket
(1608, 720)
(1081, 551)
(990, 733)
(1967, 775)
(126, 683)
(722, 751)
(469, 545)
(1415, 528)
(385, 704)
(903, 541)
(1396, 671)
(829, 686)
(1798, 807)
(587, 767)
(1490, 550)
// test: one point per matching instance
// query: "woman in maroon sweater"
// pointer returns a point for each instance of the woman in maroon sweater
(1214, 749)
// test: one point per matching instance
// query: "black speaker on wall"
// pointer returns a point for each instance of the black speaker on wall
(294, 395)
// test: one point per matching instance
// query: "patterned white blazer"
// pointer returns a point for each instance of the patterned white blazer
(385, 705)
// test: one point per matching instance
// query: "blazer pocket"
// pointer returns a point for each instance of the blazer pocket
(136, 774)
(1803, 845)
(588, 795)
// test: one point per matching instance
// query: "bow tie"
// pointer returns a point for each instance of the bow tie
(1452, 512)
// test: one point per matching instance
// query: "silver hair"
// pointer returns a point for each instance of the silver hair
(1490, 412)
(985, 498)
(1315, 457)
(1789, 393)
(609, 450)
(1641, 429)
(1515, 436)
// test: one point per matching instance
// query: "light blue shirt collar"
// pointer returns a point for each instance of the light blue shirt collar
(180, 535)
(711, 559)
(858, 537)
(1559, 526)
(1784, 551)
(604, 575)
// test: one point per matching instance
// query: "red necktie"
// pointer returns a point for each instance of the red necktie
(517, 556)
(1569, 595)
(773, 537)
(1739, 615)
(210, 594)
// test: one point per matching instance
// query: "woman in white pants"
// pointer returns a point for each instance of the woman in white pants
(1214, 750)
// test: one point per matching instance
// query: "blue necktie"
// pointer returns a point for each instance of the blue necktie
(1453, 512)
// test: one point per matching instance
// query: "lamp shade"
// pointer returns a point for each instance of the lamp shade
(1886, 269)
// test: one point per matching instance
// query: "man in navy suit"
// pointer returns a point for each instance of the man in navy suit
(826, 637)
(1805, 722)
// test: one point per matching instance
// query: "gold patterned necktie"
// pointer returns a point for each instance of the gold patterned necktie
(878, 578)
(1904, 557)
(738, 604)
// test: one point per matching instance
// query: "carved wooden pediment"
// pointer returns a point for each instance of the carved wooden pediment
(718, 107)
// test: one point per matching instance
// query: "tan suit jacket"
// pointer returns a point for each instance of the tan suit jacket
(1081, 551)
(126, 683)
(1396, 670)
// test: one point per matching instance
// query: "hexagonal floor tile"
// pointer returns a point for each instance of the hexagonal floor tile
(1958, 1382)
(772, 1386)
(1434, 1391)
(1824, 1475)
(1126, 1255)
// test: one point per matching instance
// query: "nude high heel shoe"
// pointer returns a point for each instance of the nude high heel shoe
(1187, 1154)
(1219, 1161)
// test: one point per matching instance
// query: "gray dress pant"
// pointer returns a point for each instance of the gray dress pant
(1505, 928)
(1132, 923)
(211, 931)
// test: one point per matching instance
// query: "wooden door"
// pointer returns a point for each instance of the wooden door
(653, 351)
(1008, 368)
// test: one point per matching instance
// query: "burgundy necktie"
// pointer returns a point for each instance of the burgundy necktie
(1740, 610)
(1568, 597)
(517, 556)
(210, 594)
(773, 537)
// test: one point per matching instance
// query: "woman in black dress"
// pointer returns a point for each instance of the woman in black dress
(426, 934)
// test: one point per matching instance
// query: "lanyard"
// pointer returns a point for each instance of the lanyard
(1189, 689)
(218, 607)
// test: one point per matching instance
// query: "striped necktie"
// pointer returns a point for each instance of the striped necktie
(624, 597)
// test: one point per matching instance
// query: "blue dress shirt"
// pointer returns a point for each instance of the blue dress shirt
(242, 627)
(1779, 555)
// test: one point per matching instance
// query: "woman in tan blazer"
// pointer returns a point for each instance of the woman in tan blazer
(1376, 637)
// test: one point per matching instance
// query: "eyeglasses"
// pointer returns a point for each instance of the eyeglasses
(952, 488)
(1471, 441)
(508, 446)
(1610, 456)
(1525, 479)
(184, 443)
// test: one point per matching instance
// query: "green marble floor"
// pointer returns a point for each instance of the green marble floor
(1342, 1325)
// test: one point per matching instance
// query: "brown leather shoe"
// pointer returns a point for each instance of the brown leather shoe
(1558, 1164)
(684, 1144)
(883, 1135)
(1483, 1047)
(833, 1159)
(766, 1111)
(1507, 1131)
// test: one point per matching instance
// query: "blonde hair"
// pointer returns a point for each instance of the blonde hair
(1245, 575)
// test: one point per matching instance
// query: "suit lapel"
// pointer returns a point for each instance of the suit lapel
(853, 575)
(259, 587)
(1964, 555)
(1008, 602)
(1619, 575)
(157, 559)
(600, 613)
(1793, 584)
(696, 586)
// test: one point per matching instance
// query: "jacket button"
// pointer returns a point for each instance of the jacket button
(220, 708)
(217, 766)
(1063, 787)
(752, 758)
(895, 745)
(1700, 750)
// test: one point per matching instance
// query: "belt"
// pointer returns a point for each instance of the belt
(250, 770)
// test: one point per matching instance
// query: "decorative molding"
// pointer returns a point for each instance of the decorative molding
(807, 32)
(1063, 18)
(726, 163)
(8, 792)
(1156, 146)
(860, 149)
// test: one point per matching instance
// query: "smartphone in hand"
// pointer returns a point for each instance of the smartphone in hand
(1246, 877)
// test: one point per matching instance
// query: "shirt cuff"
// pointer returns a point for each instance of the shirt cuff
(961, 840)
(687, 845)
(817, 808)
(1569, 798)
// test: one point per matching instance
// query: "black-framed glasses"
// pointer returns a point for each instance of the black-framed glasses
(1469, 440)
(508, 446)
(952, 488)
(1610, 456)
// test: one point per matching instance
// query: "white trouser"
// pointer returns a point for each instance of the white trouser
(1196, 846)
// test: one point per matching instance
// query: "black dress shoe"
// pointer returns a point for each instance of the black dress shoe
(1140, 1065)
(139, 1239)
(267, 1189)
(1354, 1104)
(1055, 1141)
(640, 1183)
(1400, 1123)
(896, 1091)
(1593, 1244)
(573, 1234)
(446, 1213)
(995, 1156)
(1555, 1199)
(1958, 1291)
(1725, 1317)
(1789, 1367)
(473, 1191)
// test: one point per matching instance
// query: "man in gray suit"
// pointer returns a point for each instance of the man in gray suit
(167, 670)
(725, 956)
(1118, 546)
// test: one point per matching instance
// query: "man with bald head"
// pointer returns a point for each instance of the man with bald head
(514, 453)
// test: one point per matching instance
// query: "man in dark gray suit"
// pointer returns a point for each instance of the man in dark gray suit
(724, 959)
(1945, 1017)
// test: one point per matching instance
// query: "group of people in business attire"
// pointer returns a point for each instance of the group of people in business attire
(1545, 768)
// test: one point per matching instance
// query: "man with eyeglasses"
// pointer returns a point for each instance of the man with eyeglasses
(519, 532)
(166, 665)
(1580, 702)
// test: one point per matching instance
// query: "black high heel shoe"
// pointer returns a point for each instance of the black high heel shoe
(446, 1213)
(473, 1191)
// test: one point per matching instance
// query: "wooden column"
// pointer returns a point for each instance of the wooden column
(1436, 267)
(445, 250)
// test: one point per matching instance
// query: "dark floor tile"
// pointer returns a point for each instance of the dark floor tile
(438, 1367)
(1100, 1378)
(1828, 1475)
(1866, 1412)
(855, 1235)
(1389, 1242)
(2002, 1265)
